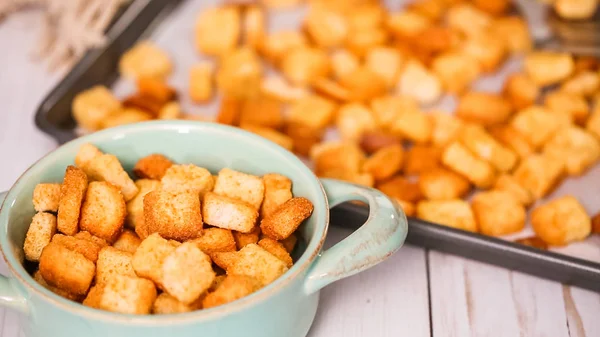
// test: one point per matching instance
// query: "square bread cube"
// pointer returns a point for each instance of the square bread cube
(232, 288)
(401, 188)
(539, 174)
(91, 106)
(385, 109)
(584, 83)
(262, 111)
(353, 120)
(228, 213)
(575, 107)
(287, 218)
(277, 249)
(135, 206)
(561, 221)
(386, 62)
(483, 108)
(127, 295)
(278, 189)
(451, 213)
(289, 243)
(37, 276)
(174, 215)
(547, 68)
(537, 124)
(256, 262)
(421, 158)
(312, 111)
(87, 248)
(108, 168)
(111, 262)
(187, 178)
(445, 128)
(459, 159)
(224, 260)
(153, 166)
(215, 240)
(40, 233)
(334, 155)
(576, 148)
(94, 296)
(303, 65)
(89, 237)
(217, 30)
(498, 213)
(103, 211)
(417, 81)
(148, 258)
(488, 49)
(508, 183)
(520, 91)
(187, 273)
(275, 136)
(456, 70)
(72, 192)
(46, 197)
(66, 269)
(443, 184)
(201, 82)
(243, 239)
(128, 241)
(327, 28)
(413, 125)
(512, 29)
(145, 59)
(384, 163)
(241, 186)
(482, 144)
(344, 62)
(167, 304)
(512, 139)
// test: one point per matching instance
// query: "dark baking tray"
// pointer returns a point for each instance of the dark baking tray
(101, 67)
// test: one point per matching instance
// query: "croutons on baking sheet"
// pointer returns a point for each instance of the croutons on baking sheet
(498, 213)
(421, 158)
(145, 59)
(576, 148)
(508, 183)
(218, 30)
(483, 108)
(384, 163)
(459, 159)
(91, 106)
(452, 213)
(561, 221)
(285, 220)
(536, 124)
(520, 91)
(539, 174)
(547, 68)
(443, 184)
(482, 144)
(400, 188)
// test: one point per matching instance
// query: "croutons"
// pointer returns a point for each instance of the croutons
(135, 206)
(46, 197)
(445, 128)
(421, 158)
(353, 120)
(174, 215)
(385, 162)
(452, 213)
(37, 276)
(108, 168)
(167, 304)
(87, 248)
(255, 261)
(148, 258)
(127, 295)
(498, 213)
(443, 184)
(40, 233)
(277, 249)
(289, 243)
(278, 189)
(330, 156)
(593, 123)
(232, 288)
(312, 111)
(201, 82)
(546, 68)
(275, 136)
(458, 158)
(111, 262)
(89, 237)
(326, 27)
(218, 30)
(286, 219)
(420, 83)
(401, 189)
(215, 240)
(305, 64)
(363, 84)
(145, 59)
(224, 260)
(372, 142)
(536, 124)
(520, 91)
(456, 70)
(386, 62)
(90, 107)
(261, 111)
(561, 221)
(574, 107)
(539, 174)
(241, 186)
(228, 213)
(187, 178)
(153, 166)
(533, 241)
(72, 192)
(103, 211)
(243, 239)
(73, 274)
(483, 108)
(583, 84)
(412, 124)
(513, 139)
(513, 31)
(575, 148)
(128, 241)
(482, 144)
(509, 184)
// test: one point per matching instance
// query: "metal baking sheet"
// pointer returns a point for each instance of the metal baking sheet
(170, 25)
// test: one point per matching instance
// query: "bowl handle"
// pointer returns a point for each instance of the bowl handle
(9, 295)
(381, 235)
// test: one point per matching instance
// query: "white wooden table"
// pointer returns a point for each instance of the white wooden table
(416, 293)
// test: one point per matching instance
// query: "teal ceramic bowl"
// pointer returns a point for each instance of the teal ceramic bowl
(285, 308)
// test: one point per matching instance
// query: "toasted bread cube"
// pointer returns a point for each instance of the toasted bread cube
(363, 84)
(407, 24)
(228, 213)
(384, 163)
(593, 123)
(133, 106)
(413, 125)
(312, 111)
(328, 156)
(201, 82)
(254, 261)
(187, 273)
(435, 39)
(148, 258)
(103, 211)
(167, 304)
(145, 59)
(520, 91)
(241, 186)
(157, 89)
(458, 158)
(171, 110)
(372, 142)
(46, 197)
(509, 184)
(583, 84)
(539, 174)
(135, 206)
(353, 120)
(278, 88)
(561, 221)
(326, 27)
(574, 106)
(127, 295)
(304, 137)
(243, 239)
(87, 152)
(483, 108)
(174, 215)
(546, 68)
(187, 178)
(153, 166)
(278, 189)
(386, 109)
(443, 184)
(385, 62)
(232, 288)
(254, 26)
(90, 107)
(289, 243)
(126, 116)
(456, 70)
(287, 218)
(482, 144)
(89, 237)
(418, 82)
(37, 276)
(224, 260)
(512, 139)
(111, 262)
(498, 213)
(451, 213)
(575, 10)
(302, 65)
(343, 63)
(108, 168)
(537, 125)
(488, 49)
(87, 248)
(40, 233)
(277, 249)
(262, 111)
(66, 269)
(361, 41)
(270, 134)
(445, 128)
(216, 240)
(468, 19)
(239, 73)
(575, 147)
(72, 192)
(128, 241)
(94, 296)
(421, 158)
(513, 31)
(278, 44)
(218, 30)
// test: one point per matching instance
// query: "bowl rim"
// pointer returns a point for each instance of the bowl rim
(18, 272)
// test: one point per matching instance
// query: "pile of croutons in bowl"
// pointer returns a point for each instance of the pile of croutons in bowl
(176, 240)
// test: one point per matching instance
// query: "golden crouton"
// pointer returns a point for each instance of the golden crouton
(89, 237)
(153, 166)
(328, 156)
(167, 304)
(575, 10)
(127, 295)
(343, 63)
(128, 241)
(364, 179)
(278, 88)
(215, 240)
(72, 192)
(155, 88)
(136, 107)
(232, 288)
(575, 147)
(228, 213)
(331, 89)
(498, 213)
(520, 91)
(456, 70)
(443, 184)
(536, 124)
(289, 243)
(37, 276)
(513, 31)
(593, 123)
(111, 262)
(287, 218)
(94, 296)
(90, 107)
(326, 27)
(87, 248)
(385, 62)
(513, 139)
(445, 128)
(584, 84)
(493, 7)
(488, 49)
(224, 260)
(187, 273)
(243, 239)
(241, 186)
(278, 44)
(174, 215)
(372, 142)
(201, 82)
(360, 41)
(353, 120)
(385, 109)
(278, 189)
(103, 211)
(302, 65)
(108, 168)
(239, 73)
(304, 137)
(145, 59)
(363, 84)
(255, 261)
(482, 144)
(539, 174)
(87, 152)
(187, 178)
(483, 108)
(66, 269)
(413, 125)
(275, 136)
(468, 19)
(458, 158)
(533, 241)
(561, 221)
(421, 158)
(217, 30)
(407, 24)
(277, 249)
(261, 111)
(451, 213)
(574, 106)
(171, 110)
(509, 184)
(46, 197)
(40, 233)
(420, 83)
(148, 258)
(385, 162)
(254, 26)
(546, 68)
(135, 206)
(312, 111)
(127, 115)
